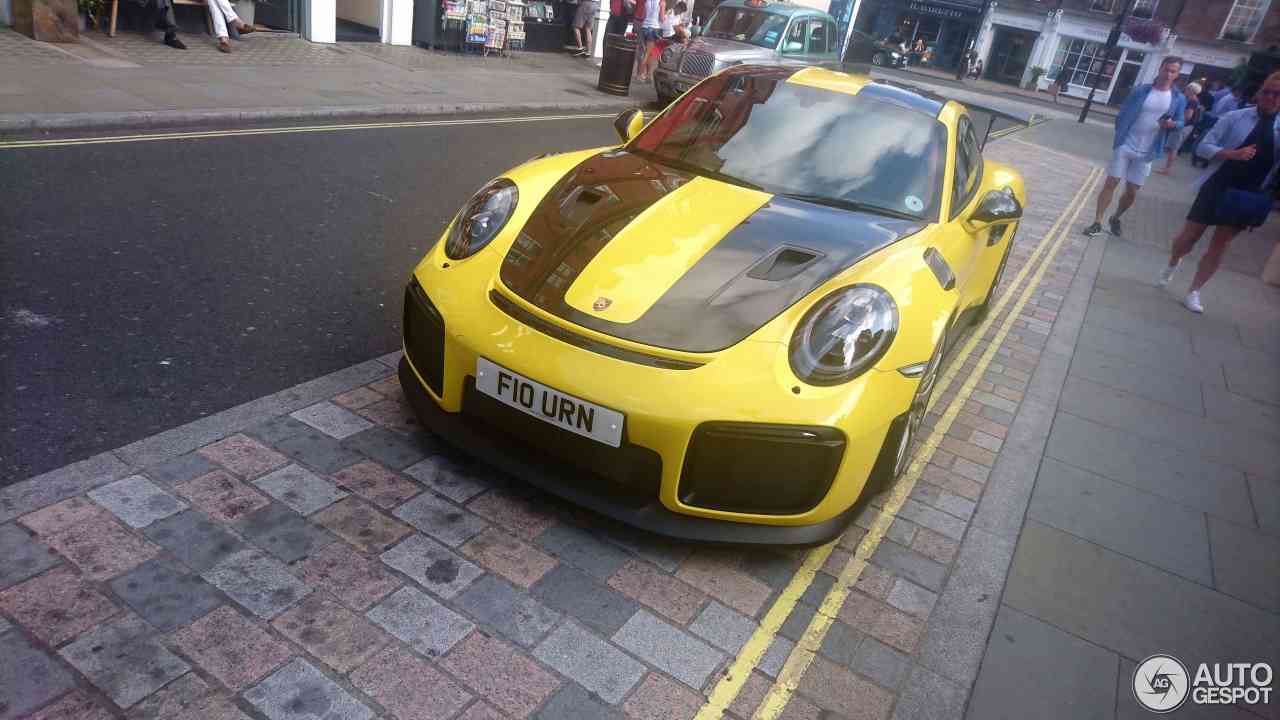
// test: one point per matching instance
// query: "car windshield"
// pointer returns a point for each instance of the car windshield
(754, 128)
(747, 25)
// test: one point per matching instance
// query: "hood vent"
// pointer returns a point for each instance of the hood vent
(783, 264)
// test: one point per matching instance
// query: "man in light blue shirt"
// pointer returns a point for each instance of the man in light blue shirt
(1142, 127)
(1229, 102)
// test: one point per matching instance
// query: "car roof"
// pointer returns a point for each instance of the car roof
(779, 7)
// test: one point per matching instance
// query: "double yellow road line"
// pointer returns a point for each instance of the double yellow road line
(206, 134)
(793, 670)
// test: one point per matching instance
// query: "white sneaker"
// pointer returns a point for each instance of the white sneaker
(1166, 275)
(1193, 302)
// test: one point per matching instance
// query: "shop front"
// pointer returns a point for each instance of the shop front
(947, 27)
(1208, 62)
(1073, 52)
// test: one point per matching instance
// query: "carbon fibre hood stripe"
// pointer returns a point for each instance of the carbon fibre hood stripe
(729, 293)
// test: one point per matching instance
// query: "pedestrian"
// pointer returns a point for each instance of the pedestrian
(1232, 192)
(162, 11)
(221, 12)
(1190, 116)
(976, 72)
(1141, 132)
(583, 20)
(1233, 100)
(620, 14)
(649, 15)
(675, 24)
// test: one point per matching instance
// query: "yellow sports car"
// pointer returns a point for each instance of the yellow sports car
(728, 327)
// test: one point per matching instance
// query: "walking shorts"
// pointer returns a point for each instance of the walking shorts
(1134, 168)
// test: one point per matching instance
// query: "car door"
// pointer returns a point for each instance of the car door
(960, 243)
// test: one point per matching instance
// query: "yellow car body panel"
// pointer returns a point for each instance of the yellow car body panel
(657, 248)
(750, 381)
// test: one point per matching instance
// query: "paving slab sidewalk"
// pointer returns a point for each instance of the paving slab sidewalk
(133, 80)
(1150, 523)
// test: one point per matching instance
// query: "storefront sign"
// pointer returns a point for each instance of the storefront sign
(1021, 22)
(1208, 56)
(939, 10)
(1099, 34)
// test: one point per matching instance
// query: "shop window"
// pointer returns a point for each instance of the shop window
(1145, 8)
(1081, 61)
(1244, 20)
(1105, 6)
(929, 29)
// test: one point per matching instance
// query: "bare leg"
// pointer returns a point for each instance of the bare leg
(1127, 197)
(1104, 196)
(1185, 240)
(1168, 161)
(591, 48)
(1222, 237)
(577, 35)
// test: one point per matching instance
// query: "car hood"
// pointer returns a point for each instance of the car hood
(644, 252)
(730, 50)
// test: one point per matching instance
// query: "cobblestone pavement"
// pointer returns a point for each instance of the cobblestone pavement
(316, 554)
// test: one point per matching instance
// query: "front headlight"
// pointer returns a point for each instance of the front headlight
(842, 335)
(481, 219)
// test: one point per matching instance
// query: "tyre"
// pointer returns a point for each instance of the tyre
(895, 454)
(983, 309)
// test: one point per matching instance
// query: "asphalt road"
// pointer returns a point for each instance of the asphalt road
(145, 285)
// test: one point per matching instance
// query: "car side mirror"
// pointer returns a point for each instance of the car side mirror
(793, 47)
(628, 124)
(997, 206)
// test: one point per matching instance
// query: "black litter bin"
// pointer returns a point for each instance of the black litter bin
(615, 66)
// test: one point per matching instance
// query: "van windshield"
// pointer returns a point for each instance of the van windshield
(747, 25)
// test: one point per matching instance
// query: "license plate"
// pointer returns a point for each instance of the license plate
(548, 404)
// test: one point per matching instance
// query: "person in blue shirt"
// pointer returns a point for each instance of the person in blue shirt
(1142, 128)
(1244, 153)
(1231, 101)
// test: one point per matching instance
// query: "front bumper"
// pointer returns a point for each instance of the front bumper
(671, 83)
(678, 421)
(629, 505)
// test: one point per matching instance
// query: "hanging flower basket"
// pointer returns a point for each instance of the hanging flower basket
(1149, 32)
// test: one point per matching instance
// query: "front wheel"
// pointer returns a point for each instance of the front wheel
(895, 454)
(985, 307)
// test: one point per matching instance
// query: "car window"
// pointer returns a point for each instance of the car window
(817, 37)
(752, 127)
(968, 166)
(747, 25)
(794, 44)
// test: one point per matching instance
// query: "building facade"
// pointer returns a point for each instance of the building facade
(1066, 39)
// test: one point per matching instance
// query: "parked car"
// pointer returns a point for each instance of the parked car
(865, 50)
(747, 31)
(729, 326)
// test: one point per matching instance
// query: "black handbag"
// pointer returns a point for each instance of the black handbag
(1243, 208)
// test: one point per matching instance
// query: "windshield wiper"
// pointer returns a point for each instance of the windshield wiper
(853, 205)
